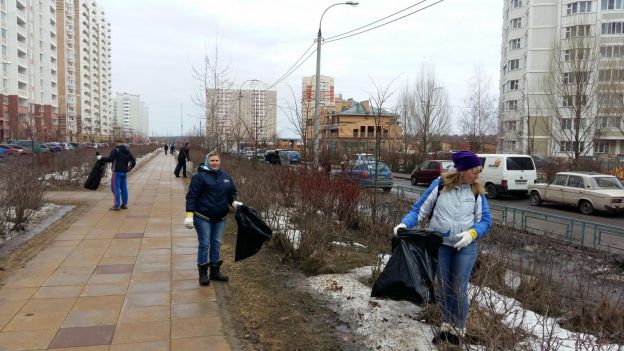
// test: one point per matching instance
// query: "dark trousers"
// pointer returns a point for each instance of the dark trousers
(181, 166)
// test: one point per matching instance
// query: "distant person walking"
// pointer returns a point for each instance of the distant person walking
(207, 203)
(183, 156)
(172, 149)
(166, 147)
(122, 163)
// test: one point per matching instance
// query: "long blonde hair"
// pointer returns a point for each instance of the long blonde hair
(452, 179)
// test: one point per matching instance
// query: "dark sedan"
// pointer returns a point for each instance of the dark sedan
(428, 171)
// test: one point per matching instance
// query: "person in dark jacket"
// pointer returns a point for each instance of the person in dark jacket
(122, 162)
(183, 156)
(207, 203)
(172, 149)
(166, 147)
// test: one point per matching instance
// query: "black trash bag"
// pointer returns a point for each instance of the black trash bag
(410, 272)
(252, 232)
(95, 177)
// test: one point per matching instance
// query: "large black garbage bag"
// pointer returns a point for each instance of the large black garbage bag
(252, 232)
(411, 269)
(95, 177)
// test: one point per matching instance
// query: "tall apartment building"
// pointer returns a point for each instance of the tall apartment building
(28, 88)
(67, 112)
(92, 36)
(130, 116)
(561, 86)
(244, 115)
(308, 87)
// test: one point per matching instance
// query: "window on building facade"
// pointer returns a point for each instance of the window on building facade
(577, 31)
(512, 85)
(510, 145)
(569, 146)
(578, 7)
(610, 99)
(516, 23)
(609, 51)
(514, 44)
(611, 75)
(575, 54)
(612, 5)
(566, 123)
(514, 64)
(601, 147)
(512, 105)
(612, 28)
(516, 3)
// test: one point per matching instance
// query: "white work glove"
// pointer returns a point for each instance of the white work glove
(399, 226)
(465, 238)
(98, 157)
(188, 221)
(235, 204)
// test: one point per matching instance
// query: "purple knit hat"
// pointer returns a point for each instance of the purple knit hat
(465, 159)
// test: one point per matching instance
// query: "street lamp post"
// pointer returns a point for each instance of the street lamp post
(240, 97)
(317, 81)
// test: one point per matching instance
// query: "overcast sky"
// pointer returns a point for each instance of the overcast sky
(156, 43)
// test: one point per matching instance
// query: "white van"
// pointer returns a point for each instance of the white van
(507, 174)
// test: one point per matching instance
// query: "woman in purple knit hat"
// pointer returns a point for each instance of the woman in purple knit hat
(456, 207)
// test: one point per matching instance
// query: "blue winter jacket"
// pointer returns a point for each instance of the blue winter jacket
(454, 212)
(210, 193)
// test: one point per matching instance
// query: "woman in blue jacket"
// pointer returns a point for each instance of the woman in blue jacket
(207, 204)
(458, 210)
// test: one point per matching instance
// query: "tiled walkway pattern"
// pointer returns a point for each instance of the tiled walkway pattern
(116, 280)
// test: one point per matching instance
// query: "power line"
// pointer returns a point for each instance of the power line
(293, 70)
(383, 24)
(379, 20)
(290, 70)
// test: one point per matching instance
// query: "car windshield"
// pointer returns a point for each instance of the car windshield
(447, 165)
(520, 164)
(381, 167)
(606, 183)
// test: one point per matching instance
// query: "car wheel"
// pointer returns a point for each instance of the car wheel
(414, 181)
(490, 191)
(535, 199)
(586, 207)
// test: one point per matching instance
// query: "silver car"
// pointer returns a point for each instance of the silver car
(588, 191)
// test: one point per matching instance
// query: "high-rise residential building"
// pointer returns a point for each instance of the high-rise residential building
(66, 59)
(130, 117)
(561, 81)
(29, 83)
(92, 37)
(247, 115)
(326, 97)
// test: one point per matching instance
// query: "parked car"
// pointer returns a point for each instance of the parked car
(55, 147)
(31, 145)
(428, 171)
(44, 148)
(361, 157)
(293, 156)
(588, 191)
(507, 174)
(367, 175)
(11, 150)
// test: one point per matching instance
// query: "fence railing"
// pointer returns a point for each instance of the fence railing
(586, 233)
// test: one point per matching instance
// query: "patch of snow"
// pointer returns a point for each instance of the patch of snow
(339, 243)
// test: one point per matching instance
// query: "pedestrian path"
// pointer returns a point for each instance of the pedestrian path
(116, 280)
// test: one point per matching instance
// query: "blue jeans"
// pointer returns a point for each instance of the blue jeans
(119, 187)
(209, 235)
(454, 273)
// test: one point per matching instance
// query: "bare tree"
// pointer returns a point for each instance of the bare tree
(426, 109)
(572, 92)
(214, 84)
(297, 117)
(480, 120)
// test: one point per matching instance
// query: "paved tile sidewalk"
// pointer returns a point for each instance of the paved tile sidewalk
(116, 280)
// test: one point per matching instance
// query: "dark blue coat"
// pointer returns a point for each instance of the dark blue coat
(210, 193)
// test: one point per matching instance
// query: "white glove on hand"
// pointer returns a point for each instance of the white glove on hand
(188, 222)
(465, 238)
(235, 204)
(98, 157)
(400, 225)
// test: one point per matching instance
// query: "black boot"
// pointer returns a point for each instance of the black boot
(203, 274)
(215, 272)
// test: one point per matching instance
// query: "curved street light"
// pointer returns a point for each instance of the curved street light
(318, 78)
